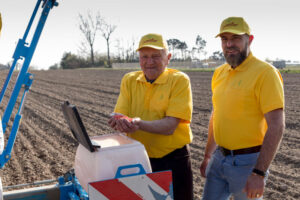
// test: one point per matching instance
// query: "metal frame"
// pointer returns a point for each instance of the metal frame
(68, 187)
(24, 79)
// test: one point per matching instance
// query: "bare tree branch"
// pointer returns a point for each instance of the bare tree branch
(89, 26)
(106, 30)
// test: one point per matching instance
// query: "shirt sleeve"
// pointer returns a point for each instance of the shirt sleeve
(271, 94)
(180, 103)
(122, 105)
(213, 79)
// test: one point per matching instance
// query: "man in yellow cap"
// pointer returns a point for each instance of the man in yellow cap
(156, 109)
(247, 120)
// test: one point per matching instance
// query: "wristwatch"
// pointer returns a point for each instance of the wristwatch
(259, 172)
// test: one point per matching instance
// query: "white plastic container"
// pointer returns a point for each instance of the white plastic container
(116, 150)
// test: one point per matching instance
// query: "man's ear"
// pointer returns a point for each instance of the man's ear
(169, 56)
(251, 37)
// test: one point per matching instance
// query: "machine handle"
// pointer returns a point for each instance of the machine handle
(139, 166)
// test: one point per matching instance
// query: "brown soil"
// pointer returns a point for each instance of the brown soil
(45, 148)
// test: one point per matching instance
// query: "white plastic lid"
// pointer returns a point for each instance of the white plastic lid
(112, 140)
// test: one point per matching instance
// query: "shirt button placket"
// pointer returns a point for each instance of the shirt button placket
(148, 95)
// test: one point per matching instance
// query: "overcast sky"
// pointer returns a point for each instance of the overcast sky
(275, 25)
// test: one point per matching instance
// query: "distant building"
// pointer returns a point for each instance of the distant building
(279, 64)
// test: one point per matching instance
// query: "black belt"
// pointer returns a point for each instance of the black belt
(249, 150)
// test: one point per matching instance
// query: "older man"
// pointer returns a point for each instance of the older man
(159, 100)
(247, 121)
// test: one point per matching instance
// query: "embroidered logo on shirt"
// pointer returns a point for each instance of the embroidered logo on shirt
(239, 83)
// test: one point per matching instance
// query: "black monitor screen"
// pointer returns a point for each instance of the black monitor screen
(74, 121)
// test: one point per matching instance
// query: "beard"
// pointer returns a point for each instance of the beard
(235, 60)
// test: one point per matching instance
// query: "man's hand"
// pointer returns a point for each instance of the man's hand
(254, 186)
(123, 123)
(112, 121)
(164, 126)
(203, 166)
(127, 125)
(120, 116)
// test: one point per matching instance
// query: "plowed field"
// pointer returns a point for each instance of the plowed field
(45, 148)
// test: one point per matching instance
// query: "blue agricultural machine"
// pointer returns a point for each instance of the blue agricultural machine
(66, 187)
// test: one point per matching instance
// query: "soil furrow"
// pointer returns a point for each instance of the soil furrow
(45, 147)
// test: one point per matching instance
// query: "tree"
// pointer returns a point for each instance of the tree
(134, 55)
(200, 44)
(89, 26)
(4, 66)
(182, 46)
(173, 45)
(72, 61)
(107, 30)
(54, 67)
(120, 51)
(217, 56)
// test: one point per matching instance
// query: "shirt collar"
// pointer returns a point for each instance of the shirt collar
(243, 66)
(163, 77)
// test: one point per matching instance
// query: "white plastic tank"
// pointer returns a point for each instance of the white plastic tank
(116, 150)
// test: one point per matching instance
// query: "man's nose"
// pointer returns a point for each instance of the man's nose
(229, 43)
(150, 60)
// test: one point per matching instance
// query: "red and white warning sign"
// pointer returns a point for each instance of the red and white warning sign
(152, 186)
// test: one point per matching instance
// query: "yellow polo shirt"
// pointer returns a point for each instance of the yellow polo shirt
(170, 95)
(241, 97)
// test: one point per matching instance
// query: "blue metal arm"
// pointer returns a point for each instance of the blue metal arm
(24, 79)
(70, 188)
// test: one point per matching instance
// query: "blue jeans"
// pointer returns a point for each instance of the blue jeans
(227, 176)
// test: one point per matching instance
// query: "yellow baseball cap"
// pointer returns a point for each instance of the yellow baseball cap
(236, 25)
(153, 40)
